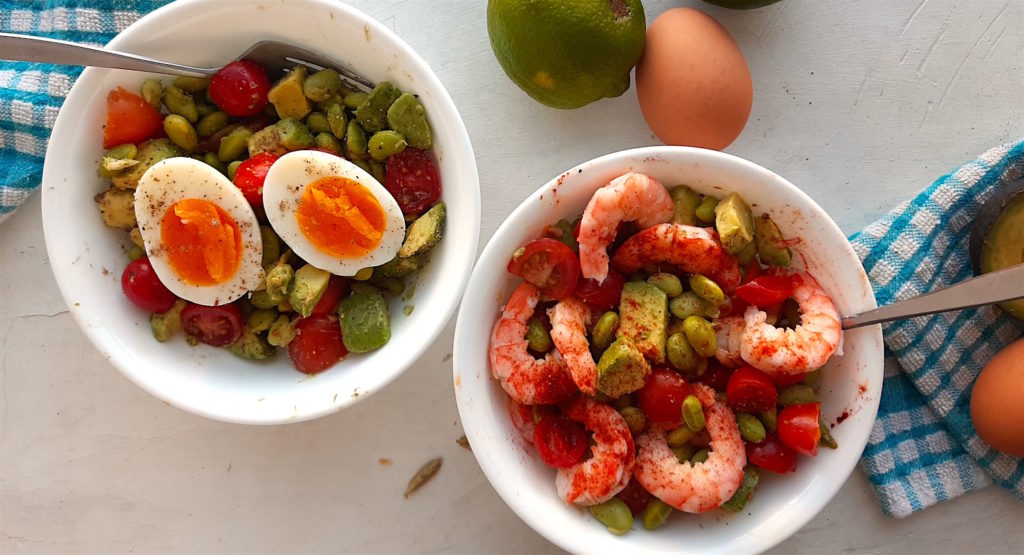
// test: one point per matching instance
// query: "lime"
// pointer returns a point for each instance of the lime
(567, 54)
(742, 4)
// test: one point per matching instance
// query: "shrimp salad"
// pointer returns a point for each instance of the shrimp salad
(662, 353)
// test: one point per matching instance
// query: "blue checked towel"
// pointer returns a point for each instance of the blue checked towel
(923, 448)
(31, 94)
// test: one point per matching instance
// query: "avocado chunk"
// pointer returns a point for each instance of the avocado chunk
(167, 324)
(150, 152)
(1003, 247)
(622, 369)
(399, 267)
(252, 346)
(770, 247)
(307, 287)
(287, 96)
(280, 138)
(424, 233)
(686, 201)
(373, 112)
(735, 224)
(117, 208)
(365, 323)
(281, 332)
(408, 117)
(643, 318)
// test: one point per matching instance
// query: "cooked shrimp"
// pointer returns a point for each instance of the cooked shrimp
(603, 475)
(526, 379)
(730, 337)
(633, 197)
(569, 319)
(694, 488)
(692, 249)
(807, 347)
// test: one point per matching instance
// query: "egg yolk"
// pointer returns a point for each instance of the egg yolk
(202, 241)
(340, 217)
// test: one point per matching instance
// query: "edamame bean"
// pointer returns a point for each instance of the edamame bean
(117, 159)
(742, 495)
(655, 514)
(234, 145)
(152, 91)
(751, 429)
(796, 394)
(770, 419)
(181, 103)
(355, 140)
(327, 141)
(826, 436)
(263, 299)
(635, 419)
(321, 85)
(689, 304)
(623, 401)
(813, 379)
(684, 452)
(693, 413)
(260, 320)
(537, 336)
(354, 99)
(135, 252)
(679, 436)
(136, 236)
(680, 353)
(707, 289)
(378, 171)
(211, 160)
(363, 275)
(384, 144)
(232, 168)
(336, 120)
(604, 330)
(181, 132)
(706, 209)
(365, 166)
(317, 122)
(271, 245)
(614, 514)
(204, 109)
(212, 123)
(700, 456)
(191, 84)
(686, 202)
(701, 335)
(668, 283)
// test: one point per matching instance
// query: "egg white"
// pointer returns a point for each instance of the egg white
(283, 189)
(176, 179)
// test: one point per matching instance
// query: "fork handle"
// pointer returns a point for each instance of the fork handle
(23, 48)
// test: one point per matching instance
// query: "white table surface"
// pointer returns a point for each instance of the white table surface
(860, 103)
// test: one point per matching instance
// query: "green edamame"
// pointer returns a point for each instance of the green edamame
(689, 304)
(234, 145)
(384, 144)
(211, 160)
(372, 113)
(614, 514)
(705, 211)
(212, 123)
(203, 109)
(232, 168)
(135, 252)
(686, 202)
(317, 122)
(796, 394)
(181, 103)
(742, 495)
(751, 429)
(707, 289)
(701, 335)
(700, 456)
(693, 413)
(813, 379)
(354, 99)
(260, 320)
(684, 452)
(191, 84)
(119, 158)
(271, 245)
(680, 353)
(537, 336)
(328, 141)
(355, 140)
(604, 330)
(337, 120)
(152, 91)
(770, 419)
(181, 132)
(378, 171)
(679, 436)
(669, 283)
(321, 85)
(655, 514)
(635, 419)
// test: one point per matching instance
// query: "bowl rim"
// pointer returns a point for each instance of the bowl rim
(491, 467)
(119, 356)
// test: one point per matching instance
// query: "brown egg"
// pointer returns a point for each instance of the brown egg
(692, 82)
(997, 401)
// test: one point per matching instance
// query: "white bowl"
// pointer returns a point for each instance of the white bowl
(88, 258)
(782, 503)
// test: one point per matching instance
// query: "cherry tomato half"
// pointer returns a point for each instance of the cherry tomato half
(213, 325)
(548, 265)
(767, 290)
(750, 390)
(661, 397)
(130, 119)
(603, 295)
(635, 497)
(240, 88)
(560, 441)
(317, 344)
(251, 174)
(799, 428)
(144, 289)
(337, 287)
(412, 178)
(771, 454)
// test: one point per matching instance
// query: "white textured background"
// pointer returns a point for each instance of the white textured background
(858, 102)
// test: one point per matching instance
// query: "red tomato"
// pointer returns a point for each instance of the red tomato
(560, 441)
(771, 454)
(716, 376)
(144, 289)
(661, 397)
(318, 344)
(601, 295)
(412, 178)
(783, 380)
(213, 325)
(635, 497)
(337, 287)
(753, 269)
(240, 88)
(251, 174)
(130, 119)
(799, 427)
(767, 290)
(750, 390)
(548, 265)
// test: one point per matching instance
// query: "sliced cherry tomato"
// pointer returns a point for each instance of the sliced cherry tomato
(767, 290)
(799, 427)
(716, 376)
(213, 325)
(412, 178)
(635, 497)
(783, 380)
(560, 441)
(251, 174)
(548, 265)
(337, 287)
(662, 395)
(603, 295)
(240, 88)
(317, 344)
(750, 390)
(144, 289)
(771, 454)
(130, 119)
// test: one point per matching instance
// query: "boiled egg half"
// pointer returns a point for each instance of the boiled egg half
(332, 214)
(201, 236)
